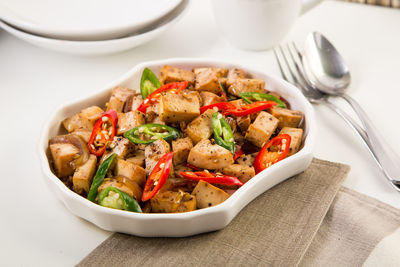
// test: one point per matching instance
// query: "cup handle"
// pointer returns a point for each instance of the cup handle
(308, 5)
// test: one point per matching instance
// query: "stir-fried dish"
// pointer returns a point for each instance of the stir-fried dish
(187, 141)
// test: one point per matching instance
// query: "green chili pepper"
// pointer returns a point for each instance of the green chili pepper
(148, 83)
(149, 133)
(99, 177)
(261, 97)
(118, 200)
(222, 132)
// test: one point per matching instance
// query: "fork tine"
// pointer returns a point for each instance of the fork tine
(280, 64)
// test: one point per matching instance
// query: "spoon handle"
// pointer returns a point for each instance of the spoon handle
(388, 159)
(361, 132)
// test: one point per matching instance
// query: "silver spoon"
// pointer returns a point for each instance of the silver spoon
(327, 71)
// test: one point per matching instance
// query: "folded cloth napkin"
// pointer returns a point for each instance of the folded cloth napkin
(386, 3)
(279, 228)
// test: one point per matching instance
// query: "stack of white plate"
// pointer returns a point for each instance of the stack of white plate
(89, 27)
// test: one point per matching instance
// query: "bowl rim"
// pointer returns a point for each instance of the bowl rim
(223, 207)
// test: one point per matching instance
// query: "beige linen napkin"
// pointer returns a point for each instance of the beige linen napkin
(274, 230)
(386, 3)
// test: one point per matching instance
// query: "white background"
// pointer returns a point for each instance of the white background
(36, 229)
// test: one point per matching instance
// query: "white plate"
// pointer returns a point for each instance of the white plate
(91, 48)
(178, 224)
(83, 20)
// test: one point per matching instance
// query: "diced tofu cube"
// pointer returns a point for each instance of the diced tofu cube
(182, 107)
(130, 170)
(201, 127)
(246, 85)
(84, 120)
(117, 184)
(122, 147)
(63, 155)
(261, 129)
(137, 157)
(242, 122)
(132, 102)
(208, 79)
(170, 202)
(247, 160)
(233, 75)
(296, 134)
(286, 117)
(209, 98)
(152, 113)
(243, 172)
(154, 152)
(181, 148)
(209, 156)
(169, 74)
(84, 134)
(129, 120)
(118, 98)
(83, 175)
(208, 195)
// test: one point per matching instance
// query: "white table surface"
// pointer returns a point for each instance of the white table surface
(36, 229)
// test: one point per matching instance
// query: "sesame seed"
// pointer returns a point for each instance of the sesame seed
(219, 116)
(162, 165)
(146, 101)
(215, 109)
(104, 118)
(92, 146)
(141, 129)
(98, 137)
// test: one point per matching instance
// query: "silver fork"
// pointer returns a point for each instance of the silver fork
(290, 64)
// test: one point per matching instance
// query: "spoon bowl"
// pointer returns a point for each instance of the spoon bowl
(324, 66)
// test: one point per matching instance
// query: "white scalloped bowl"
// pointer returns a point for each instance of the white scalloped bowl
(178, 224)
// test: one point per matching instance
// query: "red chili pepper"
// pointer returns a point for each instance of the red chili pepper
(266, 158)
(212, 178)
(176, 87)
(224, 106)
(103, 132)
(251, 108)
(238, 154)
(192, 166)
(157, 177)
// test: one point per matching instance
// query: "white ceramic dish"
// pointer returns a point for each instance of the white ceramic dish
(83, 20)
(94, 48)
(178, 224)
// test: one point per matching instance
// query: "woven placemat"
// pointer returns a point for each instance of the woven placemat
(385, 3)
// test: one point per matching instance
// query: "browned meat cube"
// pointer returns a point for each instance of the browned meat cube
(129, 120)
(176, 108)
(243, 172)
(208, 79)
(84, 120)
(132, 102)
(137, 157)
(261, 129)
(118, 98)
(201, 127)
(209, 98)
(246, 85)
(130, 170)
(208, 195)
(169, 74)
(154, 152)
(233, 75)
(181, 148)
(83, 175)
(287, 117)
(209, 156)
(63, 155)
(296, 134)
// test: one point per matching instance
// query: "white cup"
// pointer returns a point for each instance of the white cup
(258, 24)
